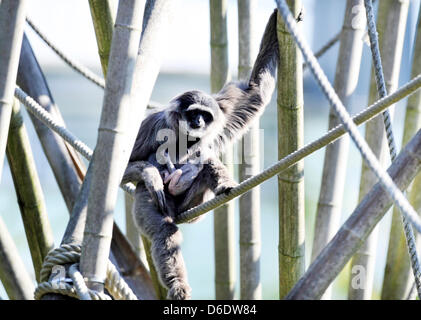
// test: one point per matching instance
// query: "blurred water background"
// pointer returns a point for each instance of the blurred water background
(80, 103)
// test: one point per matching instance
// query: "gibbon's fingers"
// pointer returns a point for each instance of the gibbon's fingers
(176, 174)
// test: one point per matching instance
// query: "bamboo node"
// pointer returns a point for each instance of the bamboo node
(126, 26)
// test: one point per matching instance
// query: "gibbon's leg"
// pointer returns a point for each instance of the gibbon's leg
(165, 238)
(143, 171)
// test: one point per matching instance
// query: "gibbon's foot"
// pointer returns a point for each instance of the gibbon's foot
(179, 291)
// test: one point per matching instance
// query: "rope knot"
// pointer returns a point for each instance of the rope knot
(74, 286)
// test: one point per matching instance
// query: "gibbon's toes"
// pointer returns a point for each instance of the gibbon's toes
(179, 291)
(159, 199)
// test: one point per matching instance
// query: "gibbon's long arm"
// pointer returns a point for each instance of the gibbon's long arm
(244, 102)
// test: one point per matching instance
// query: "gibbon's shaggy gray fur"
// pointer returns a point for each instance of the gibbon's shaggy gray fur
(213, 121)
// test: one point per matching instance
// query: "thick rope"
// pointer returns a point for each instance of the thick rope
(326, 47)
(70, 253)
(46, 118)
(381, 88)
(345, 118)
(246, 185)
(85, 72)
(78, 67)
(78, 282)
(300, 154)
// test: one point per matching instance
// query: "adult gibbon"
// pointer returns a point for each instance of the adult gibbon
(178, 178)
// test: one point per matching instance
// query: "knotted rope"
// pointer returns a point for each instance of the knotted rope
(70, 253)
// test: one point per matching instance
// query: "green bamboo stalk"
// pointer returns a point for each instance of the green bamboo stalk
(224, 215)
(291, 249)
(250, 244)
(336, 154)
(111, 154)
(398, 276)
(28, 190)
(13, 275)
(12, 20)
(102, 18)
(358, 226)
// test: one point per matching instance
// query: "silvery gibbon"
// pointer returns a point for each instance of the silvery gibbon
(194, 128)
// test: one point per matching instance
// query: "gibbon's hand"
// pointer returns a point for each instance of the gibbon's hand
(154, 184)
(226, 187)
(181, 179)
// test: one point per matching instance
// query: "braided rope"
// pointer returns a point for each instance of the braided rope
(85, 72)
(116, 285)
(246, 185)
(66, 253)
(345, 118)
(46, 118)
(299, 154)
(382, 90)
(326, 47)
(78, 67)
(78, 282)
(70, 253)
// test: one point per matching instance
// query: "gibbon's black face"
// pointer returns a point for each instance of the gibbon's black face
(198, 119)
(198, 111)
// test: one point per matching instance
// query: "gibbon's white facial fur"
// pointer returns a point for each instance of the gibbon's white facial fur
(209, 130)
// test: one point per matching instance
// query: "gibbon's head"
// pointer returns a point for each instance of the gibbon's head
(198, 114)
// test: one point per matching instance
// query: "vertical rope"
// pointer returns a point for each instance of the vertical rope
(381, 88)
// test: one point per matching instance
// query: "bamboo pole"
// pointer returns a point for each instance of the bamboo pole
(391, 24)
(398, 275)
(358, 226)
(12, 20)
(111, 152)
(223, 217)
(250, 243)
(13, 275)
(291, 249)
(68, 171)
(155, 24)
(334, 167)
(28, 190)
(102, 18)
